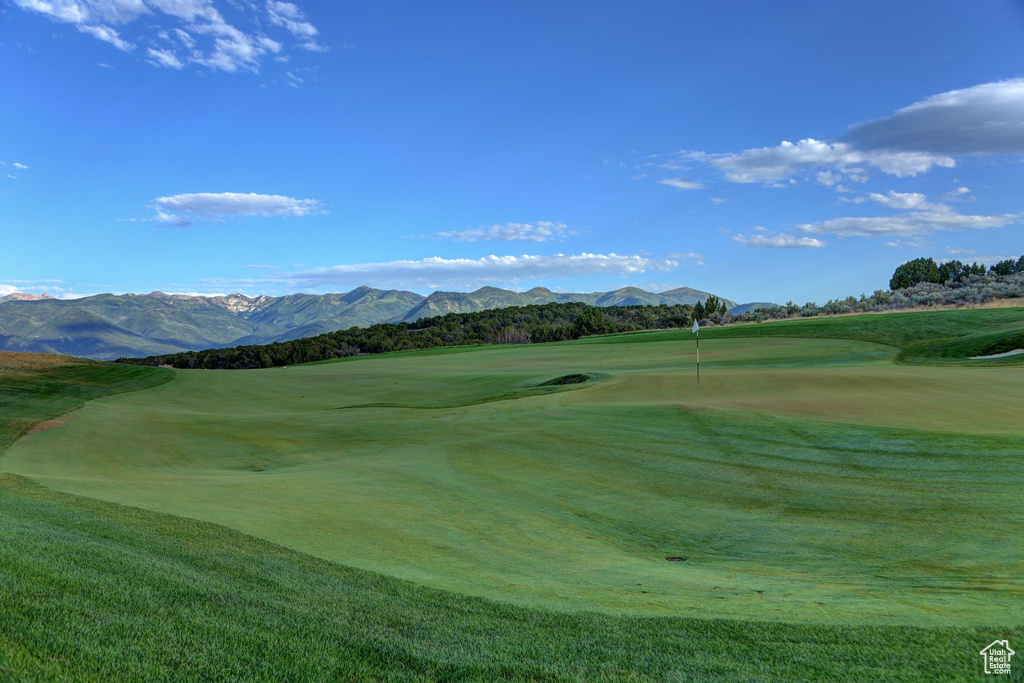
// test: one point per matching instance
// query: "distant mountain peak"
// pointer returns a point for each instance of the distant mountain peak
(20, 296)
(106, 326)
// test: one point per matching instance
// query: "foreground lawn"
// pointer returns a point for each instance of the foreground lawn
(96, 591)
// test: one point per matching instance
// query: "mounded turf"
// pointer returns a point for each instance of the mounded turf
(97, 591)
(804, 480)
(36, 387)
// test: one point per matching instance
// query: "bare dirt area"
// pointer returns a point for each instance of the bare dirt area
(50, 424)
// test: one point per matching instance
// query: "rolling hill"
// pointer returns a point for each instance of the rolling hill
(843, 485)
(109, 326)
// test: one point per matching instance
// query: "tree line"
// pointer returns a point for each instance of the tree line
(926, 270)
(916, 283)
(536, 323)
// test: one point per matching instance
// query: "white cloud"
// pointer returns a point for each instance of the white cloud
(62, 10)
(934, 218)
(900, 200)
(828, 178)
(541, 231)
(772, 164)
(462, 273)
(106, 34)
(185, 32)
(682, 184)
(698, 259)
(918, 243)
(165, 58)
(960, 194)
(313, 46)
(778, 241)
(23, 167)
(182, 209)
(717, 200)
(290, 17)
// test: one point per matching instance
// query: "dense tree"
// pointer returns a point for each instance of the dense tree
(915, 272)
(951, 271)
(1007, 267)
(591, 320)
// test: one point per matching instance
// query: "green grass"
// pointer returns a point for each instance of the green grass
(923, 337)
(38, 388)
(825, 497)
(97, 591)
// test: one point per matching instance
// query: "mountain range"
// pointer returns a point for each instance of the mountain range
(109, 326)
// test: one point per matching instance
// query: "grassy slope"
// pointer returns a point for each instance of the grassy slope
(854, 490)
(34, 387)
(143, 595)
(923, 337)
(96, 591)
(926, 337)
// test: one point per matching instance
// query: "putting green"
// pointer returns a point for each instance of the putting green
(801, 480)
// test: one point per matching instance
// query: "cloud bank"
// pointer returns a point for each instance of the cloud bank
(682, 184)
(182, 209)
(766, 240)
(541, 231)
(462, 273)
(772, 164)
(986, 119)
(931, 219)
(174, 34)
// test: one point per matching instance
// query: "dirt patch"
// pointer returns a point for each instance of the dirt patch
(675, 559)
(49, 424)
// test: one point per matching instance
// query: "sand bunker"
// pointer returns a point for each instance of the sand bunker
(999, 355)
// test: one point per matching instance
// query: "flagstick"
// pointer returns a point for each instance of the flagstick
(696, 331)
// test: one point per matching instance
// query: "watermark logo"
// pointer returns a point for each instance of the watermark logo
(997, 657)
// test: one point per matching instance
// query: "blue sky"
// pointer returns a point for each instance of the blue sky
(761, 151)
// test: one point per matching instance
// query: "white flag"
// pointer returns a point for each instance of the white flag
(695, 327)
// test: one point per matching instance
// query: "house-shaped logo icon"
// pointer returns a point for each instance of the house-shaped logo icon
(997, 657)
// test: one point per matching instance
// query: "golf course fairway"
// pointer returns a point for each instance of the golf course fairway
(804, 480)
